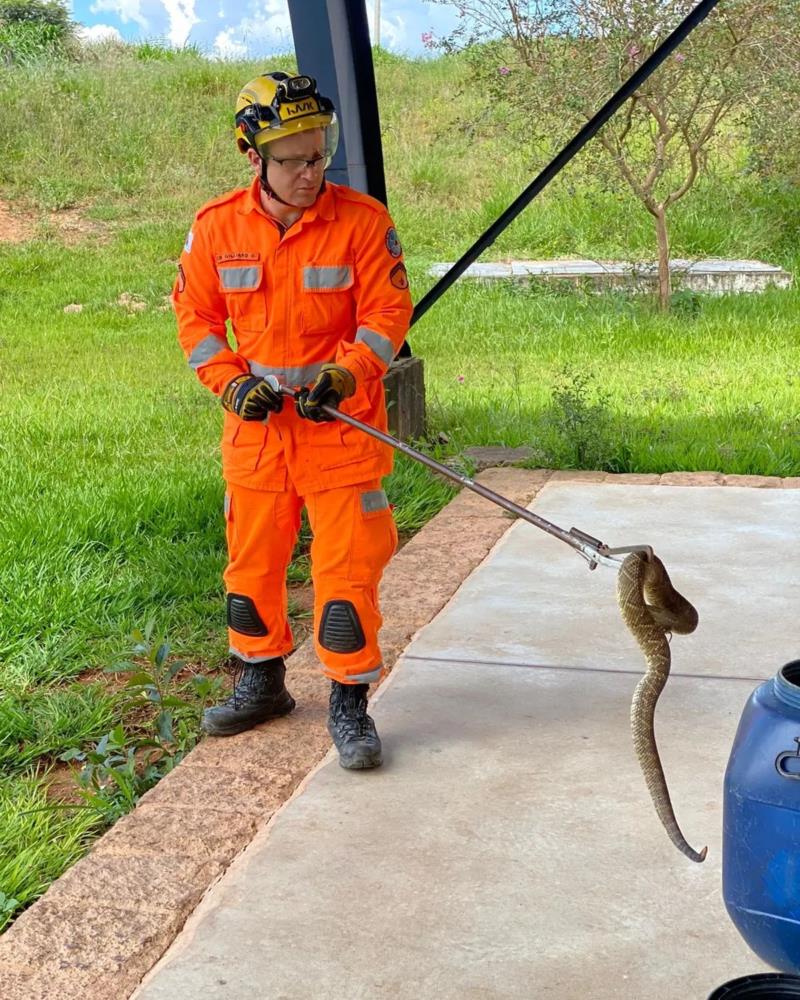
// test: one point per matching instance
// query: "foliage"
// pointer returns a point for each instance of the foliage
(33, 29)
(37, 842)
(7, 907)
(52, 12)
(122, 766)
(581, 418)
(775, 129)
(548, 66)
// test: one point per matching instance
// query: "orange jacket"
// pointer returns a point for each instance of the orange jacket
(332, 288)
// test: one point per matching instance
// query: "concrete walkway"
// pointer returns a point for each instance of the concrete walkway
(508, 847)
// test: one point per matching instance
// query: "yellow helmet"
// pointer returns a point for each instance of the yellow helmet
(275, 105)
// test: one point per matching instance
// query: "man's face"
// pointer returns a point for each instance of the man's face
(288, 171)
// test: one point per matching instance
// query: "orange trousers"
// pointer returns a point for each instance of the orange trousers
(354, 538)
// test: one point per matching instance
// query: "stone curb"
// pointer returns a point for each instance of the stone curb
(101, 927)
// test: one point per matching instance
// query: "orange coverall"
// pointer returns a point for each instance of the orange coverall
(331, 288)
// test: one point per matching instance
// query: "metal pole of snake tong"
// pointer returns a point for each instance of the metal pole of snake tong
(591, 549)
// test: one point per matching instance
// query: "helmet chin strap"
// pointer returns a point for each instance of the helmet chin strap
(273, 194)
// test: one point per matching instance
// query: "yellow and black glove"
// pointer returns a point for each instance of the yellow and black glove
(332, 385)
(252, 397)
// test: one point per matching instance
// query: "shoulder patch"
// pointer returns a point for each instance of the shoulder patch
(392, 242)
(181, 279)
(398, 276)
(187, 246)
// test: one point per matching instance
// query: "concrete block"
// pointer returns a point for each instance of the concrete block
(632, 478)
(247, 790)
(754, 482)
(691, 479)
(200, 832)
(61, 945)
(577, 476)
(712, 276)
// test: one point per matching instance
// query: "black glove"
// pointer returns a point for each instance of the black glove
(333, 384)
(251, 397)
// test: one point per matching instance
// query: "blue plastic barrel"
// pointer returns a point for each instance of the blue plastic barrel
(761, 825)
(765, 986)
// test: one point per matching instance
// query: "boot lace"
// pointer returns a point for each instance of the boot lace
(350, 716)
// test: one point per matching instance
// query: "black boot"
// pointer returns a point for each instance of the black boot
(258, 694)
(352, 730)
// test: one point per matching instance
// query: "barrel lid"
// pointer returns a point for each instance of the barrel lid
(765, 986)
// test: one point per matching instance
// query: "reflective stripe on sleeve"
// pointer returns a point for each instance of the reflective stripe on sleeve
(303, 375)
(327, 279)
(377, 343)
(206, 349)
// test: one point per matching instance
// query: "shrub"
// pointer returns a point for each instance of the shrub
(32, 29)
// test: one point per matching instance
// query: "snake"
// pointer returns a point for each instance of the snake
(652, 609)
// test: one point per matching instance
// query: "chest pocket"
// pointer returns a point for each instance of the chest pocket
(327, 303)
(245, 294)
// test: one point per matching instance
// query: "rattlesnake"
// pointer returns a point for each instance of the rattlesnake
(651, 607)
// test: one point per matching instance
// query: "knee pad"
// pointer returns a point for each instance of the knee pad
(340, 630)
(243, 616)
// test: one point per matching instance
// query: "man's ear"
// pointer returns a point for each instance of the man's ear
(255, 160)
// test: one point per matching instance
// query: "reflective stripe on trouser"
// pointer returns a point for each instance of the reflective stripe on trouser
(354, 539)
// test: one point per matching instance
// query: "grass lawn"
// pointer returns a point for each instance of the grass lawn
(110, 510)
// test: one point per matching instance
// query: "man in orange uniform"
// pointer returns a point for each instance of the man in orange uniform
(311, 277)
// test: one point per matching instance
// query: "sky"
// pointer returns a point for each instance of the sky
(246, 28)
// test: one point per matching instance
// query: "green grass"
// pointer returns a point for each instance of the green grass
(36, 842)
(111, 496)
(711, 388)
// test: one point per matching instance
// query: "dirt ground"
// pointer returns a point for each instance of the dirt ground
(18, 224)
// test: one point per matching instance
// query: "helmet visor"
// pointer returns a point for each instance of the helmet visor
(327, 123)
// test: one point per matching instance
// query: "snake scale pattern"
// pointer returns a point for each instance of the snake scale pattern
(652, 608)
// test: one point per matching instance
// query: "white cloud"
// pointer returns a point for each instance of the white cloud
(98, 33)
(182, 19)
(393, 32)
(225, 47)
(267, 26)
(126, 10)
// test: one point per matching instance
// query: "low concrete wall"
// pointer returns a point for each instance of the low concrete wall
(712, 276)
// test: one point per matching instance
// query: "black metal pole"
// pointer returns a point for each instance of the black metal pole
(591, 548)
(331, 41)
(593, 126)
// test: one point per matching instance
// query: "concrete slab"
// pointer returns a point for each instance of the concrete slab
(508, 847)
(733, 552)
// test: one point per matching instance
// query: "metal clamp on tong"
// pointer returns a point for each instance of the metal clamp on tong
(594, 551)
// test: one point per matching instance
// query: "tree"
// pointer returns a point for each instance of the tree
(563, 58)
(30, 28)
(775, 130)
